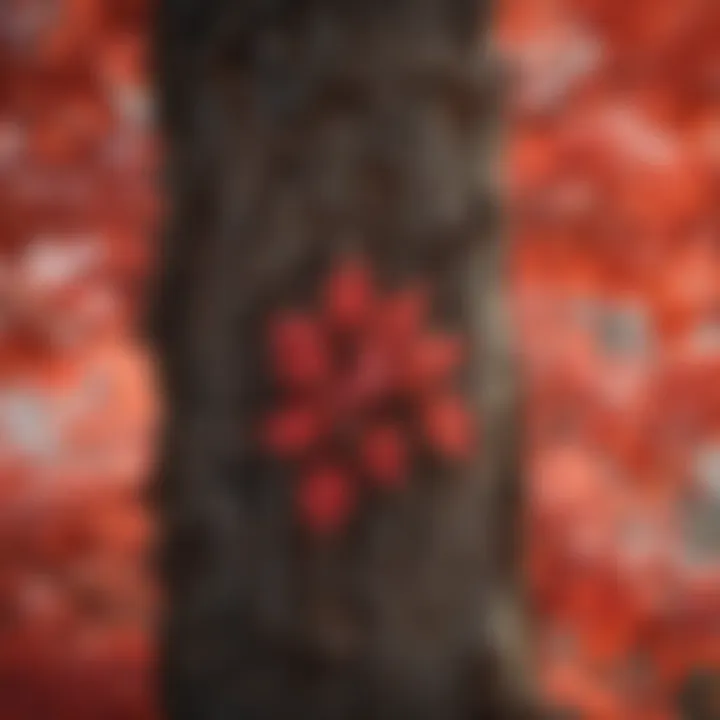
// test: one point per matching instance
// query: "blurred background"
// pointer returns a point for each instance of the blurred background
(611, 175)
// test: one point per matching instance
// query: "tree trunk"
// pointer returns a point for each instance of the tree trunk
(298, 131)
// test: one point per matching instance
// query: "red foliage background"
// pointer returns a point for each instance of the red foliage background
(612, 174)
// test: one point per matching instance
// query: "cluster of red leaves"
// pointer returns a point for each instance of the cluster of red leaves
(363, 382)
(614, 179)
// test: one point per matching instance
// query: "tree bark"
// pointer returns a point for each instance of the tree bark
(296, 130)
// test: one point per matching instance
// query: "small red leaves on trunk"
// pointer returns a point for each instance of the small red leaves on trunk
(325, 499)
(433, 359)
(299, 352)
(349, 296)
(385, 456)
(351, 376)
(402, 315)
(292, 431)
(449, 428)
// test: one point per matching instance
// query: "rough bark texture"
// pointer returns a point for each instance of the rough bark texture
(296, 129)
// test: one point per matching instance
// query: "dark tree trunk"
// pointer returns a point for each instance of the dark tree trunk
(294, 130)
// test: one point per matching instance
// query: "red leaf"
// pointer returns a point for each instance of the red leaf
(385, 456)
(292, 431)
(325, 500)
(449, 428)
(401, 317)
(349, 296)
(433, 359)
(299, 353)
